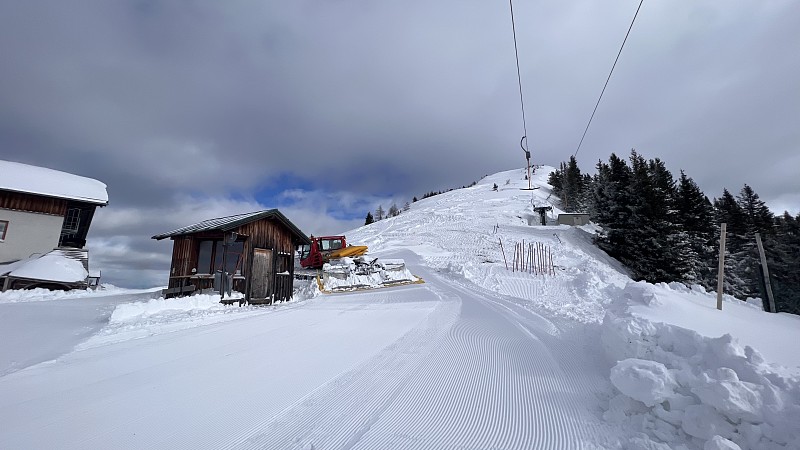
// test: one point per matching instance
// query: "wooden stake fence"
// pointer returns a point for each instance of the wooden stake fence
(532, 257)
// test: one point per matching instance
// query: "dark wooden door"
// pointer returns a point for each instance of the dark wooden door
(261, 277)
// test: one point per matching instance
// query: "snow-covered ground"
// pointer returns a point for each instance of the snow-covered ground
(477, 357)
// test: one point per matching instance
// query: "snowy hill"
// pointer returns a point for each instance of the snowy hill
(659, 332)
(497, 349)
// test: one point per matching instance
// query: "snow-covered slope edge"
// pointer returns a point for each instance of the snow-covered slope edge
(684, 389)
(678, 387)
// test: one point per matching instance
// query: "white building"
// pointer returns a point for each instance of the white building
(43, 209)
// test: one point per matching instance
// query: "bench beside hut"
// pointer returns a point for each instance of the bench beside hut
(257, 248)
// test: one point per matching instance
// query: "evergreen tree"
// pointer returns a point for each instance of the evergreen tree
(393, 211)
(414, 200)
(695, 214)
(555, 180)
(728, 211)
(407, 206)
(379, 213)
(656, 244)
(783, 258)
(369, 219)
(585, 194)
(572, 186)
(745, 216)
(757, 216)
(613, 209)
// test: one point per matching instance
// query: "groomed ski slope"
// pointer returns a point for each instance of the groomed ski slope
(478, 357)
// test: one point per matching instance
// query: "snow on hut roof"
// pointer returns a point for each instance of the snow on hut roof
(28, 179)
(232, 222)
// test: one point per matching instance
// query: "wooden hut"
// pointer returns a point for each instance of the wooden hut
(257, 248)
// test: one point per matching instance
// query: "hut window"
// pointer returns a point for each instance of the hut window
(3, 229)
(233, 259)
(283, 263)
(204, 258)
(209, 258)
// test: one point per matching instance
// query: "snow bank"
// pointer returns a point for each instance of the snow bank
(52, 267)
(181, 306)
(45, 295)
(696, 309)
(681, 388)
(156, 316)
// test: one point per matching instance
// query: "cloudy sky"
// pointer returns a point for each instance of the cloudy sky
(190, 110)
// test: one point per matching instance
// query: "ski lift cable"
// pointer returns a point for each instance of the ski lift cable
(609, 77)
(521, 100)
(519, 77)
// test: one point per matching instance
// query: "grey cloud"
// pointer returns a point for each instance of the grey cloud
(161, 100)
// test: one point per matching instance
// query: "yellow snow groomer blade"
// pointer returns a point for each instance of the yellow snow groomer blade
(351, 251)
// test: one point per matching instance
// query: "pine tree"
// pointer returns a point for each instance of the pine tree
(393, 211)
(407, 206)
(572, 186)
(613, 209)
(783, 258)
(379, 213)
(728, 211)
(555, 180)
(695, 215)
(369, 219)
(757, 218)
(675, 252)
(745, 216)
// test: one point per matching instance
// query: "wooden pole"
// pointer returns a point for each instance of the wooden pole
(765, 270)
(542, 264)
(516, 256)
(501, 249)
(530, 260)
(721, 270)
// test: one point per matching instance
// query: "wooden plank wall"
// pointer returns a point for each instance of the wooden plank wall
(269, 234)
(184, 258)
(33, 203)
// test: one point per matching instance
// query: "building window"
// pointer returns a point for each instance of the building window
(72, 221)
(3, 229)
(205, 257)
(209, 258)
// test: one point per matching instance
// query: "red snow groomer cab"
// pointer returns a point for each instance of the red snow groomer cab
(325, 248)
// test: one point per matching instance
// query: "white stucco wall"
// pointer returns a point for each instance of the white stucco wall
(28, 233)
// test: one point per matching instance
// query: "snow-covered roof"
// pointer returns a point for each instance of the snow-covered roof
(36, 180)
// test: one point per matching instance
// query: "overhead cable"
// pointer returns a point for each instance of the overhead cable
(609, 77)
(519, 78)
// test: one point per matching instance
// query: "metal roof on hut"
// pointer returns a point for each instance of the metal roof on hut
(229, 223)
